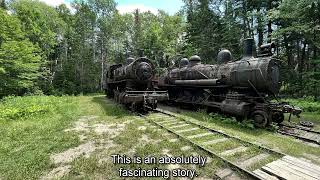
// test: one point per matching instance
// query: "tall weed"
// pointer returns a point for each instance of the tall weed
(15, 108)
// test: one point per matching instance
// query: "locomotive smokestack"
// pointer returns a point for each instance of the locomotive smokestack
(249, 47)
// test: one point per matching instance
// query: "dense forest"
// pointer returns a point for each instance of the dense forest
(62, 50)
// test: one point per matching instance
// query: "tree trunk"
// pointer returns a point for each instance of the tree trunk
(315, 55)
(260, 28)
(302, 67)
(288, 52)
(245, 19)
(270, 23)
(102, 65)
(307, 59)
(81, 76)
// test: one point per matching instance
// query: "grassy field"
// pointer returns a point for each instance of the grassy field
(31, 129)
(74, 138)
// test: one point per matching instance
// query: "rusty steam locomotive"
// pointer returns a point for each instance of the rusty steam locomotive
(239, 88)
(131, 84)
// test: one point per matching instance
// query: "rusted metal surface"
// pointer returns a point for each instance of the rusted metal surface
(141, 70)
(262, 72)
(253, 78)
(307, 124)
(131, 84)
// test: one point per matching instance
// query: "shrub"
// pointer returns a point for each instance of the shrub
(13, 108)
(307, 104)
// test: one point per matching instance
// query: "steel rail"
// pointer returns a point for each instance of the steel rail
(231, 164)
(296, 135)
(301, 128)
(222, 133)
(279, 131)
(202, 147)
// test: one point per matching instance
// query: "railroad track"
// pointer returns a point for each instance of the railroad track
(300, 132)
(252, 160)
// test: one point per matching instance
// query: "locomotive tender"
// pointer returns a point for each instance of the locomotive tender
(239, 88)
(131, 84)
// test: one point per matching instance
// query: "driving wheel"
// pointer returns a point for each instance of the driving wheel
(260, 119)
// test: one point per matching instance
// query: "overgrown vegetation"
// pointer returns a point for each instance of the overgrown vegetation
(307, 104)
(58, 50)
(31, 129)
(28, 142)
(22, 108)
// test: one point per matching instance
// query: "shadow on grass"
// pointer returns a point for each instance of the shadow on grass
(228, 123)
(111, 108)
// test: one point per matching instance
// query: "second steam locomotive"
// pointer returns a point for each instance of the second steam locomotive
(239, 88)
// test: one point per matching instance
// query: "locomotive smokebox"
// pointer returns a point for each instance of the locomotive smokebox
(248, 48)
(144, 71)
(139, 71)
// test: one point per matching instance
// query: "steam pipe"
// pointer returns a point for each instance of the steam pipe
(202, 82)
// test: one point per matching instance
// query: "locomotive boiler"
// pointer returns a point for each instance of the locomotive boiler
(131, 84)
(239, 88)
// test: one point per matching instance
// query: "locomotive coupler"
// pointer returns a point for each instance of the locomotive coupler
(292, 110)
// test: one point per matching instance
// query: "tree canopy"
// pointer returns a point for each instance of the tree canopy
(58, 50)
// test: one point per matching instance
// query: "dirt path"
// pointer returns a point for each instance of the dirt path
(83, 128)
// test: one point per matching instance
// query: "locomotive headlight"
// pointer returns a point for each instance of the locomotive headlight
(144, 71)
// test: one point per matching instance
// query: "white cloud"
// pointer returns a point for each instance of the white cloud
(53, 2)
(131, 8)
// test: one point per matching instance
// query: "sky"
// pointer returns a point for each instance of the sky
(170, 6)
(125, 6)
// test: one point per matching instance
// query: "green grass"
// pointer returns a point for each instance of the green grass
(308, 105)
(126, 141)
(31, 129)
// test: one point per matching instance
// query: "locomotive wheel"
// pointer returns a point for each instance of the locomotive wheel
(260, 119)
(277, 117)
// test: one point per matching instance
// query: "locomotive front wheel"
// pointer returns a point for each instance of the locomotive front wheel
(260, 119)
